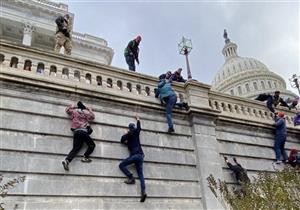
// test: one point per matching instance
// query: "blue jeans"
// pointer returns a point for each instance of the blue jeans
(279, 147)
(130, 61)
(170, 103)
(138, 160)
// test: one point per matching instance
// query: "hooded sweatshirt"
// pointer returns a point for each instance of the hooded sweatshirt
(132, 140)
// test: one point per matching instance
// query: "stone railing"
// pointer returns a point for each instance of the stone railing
(89, 38)
(245, 109)
(52, 4)
(65, 70)
(62, 69)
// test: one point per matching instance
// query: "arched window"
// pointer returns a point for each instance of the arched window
(99, 80)
(147, 90)
(138, 89)
(88, 78)
(40, 68)
(53, 70)
(240, 90)
(269, 83)
(109, 83)
(65, 73)
(14, 62)
(275, 84)
(129, 87)
(232, 92)
(1, 58)
(247, 87)
(255, 86)
(27, 65)
(76, 75)
(262, 85)
(119, 84)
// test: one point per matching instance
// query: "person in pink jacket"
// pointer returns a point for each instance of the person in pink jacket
(81, 116)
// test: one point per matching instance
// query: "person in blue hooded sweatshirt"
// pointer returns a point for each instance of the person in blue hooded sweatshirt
(168, 97)
(132, 140)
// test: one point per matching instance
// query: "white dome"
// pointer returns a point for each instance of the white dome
(246, 77)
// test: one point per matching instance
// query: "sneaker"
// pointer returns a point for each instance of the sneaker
(171, 130)
(143, 197)
(86, 160)
(278, 162)
(130, 181)
(65, 164)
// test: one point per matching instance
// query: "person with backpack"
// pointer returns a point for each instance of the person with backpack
(81, 116)
(280, 138)
(132, 140)
(131, 53)
(63, 34)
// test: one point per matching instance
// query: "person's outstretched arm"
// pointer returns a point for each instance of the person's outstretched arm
(138, 124)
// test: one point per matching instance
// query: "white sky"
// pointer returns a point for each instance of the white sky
(265, 30)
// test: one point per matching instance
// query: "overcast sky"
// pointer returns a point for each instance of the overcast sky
(265, 30)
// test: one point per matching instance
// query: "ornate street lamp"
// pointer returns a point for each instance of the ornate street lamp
(185, 47)
(295, 82)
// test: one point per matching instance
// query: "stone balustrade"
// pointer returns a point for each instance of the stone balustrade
(60, 68)
(89, 38)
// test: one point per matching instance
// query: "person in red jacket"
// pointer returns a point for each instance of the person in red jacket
(81, 116)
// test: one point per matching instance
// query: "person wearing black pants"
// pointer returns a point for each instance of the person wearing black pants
(81, 116)
(132, 140)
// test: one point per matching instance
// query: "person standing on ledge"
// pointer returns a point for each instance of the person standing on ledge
(80, 116)
(280, 138)
(131, 53)
(63, 36)
(132, 139)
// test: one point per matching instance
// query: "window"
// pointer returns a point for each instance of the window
(138, 89)
(40, 68)
(88, 78)
(147, 89)
(53, 70)
(65, 73)
(99, 80)
(77, 76)
(14, 62)
(109, 83)
(275, 84)
(129, 87)
(27, 65)
(119, 84)
(247, 87)
(232, 92)
(262, 85)
(269, 83)
(1, 58)
(255, 86)
(240, 90)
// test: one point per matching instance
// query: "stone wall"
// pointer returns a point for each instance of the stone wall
(35, 137)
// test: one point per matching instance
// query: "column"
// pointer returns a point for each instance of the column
(27, 34)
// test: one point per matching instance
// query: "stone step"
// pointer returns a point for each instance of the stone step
(101, 203)
(57, 185)
(62, 146)
(34, 163)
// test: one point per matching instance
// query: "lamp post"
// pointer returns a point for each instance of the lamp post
(185, 47)
(295, 82)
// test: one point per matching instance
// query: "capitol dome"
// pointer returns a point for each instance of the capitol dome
(246, 77)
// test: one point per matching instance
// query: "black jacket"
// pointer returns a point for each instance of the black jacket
(60, 25)
(132, 140)
(132, 49)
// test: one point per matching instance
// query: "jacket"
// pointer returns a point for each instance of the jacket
(80, 118)
(280, 126)
(165, 89)
(132, 140)
(132, 49)
(63, 26)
